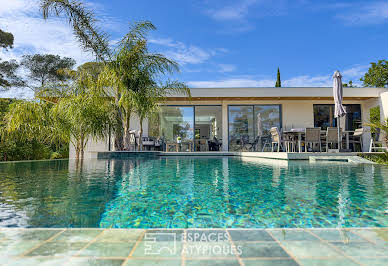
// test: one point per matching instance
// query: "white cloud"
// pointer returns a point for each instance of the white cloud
(237, 11)
(369, 13)
(353, 73)
(185, 54)
(226, 68)
(232, 83)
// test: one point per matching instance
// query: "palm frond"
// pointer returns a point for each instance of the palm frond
(83, 22)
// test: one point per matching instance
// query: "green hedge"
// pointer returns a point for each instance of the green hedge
(377, 158)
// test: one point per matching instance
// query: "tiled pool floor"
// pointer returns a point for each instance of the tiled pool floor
(363, 246)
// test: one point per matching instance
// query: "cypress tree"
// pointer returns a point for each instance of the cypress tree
(278, 81)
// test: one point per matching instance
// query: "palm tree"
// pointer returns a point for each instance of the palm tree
(131, 72)
(134, 77)
(83, 22)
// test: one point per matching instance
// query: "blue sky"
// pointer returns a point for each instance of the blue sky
(227, 43)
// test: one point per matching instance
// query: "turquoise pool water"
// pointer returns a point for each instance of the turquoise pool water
(186, 192)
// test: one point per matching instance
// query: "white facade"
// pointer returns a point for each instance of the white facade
(297, 106)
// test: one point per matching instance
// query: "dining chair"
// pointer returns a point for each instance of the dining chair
(331, 136)
(203, 145)
(312, 136)
(276, 139)
(356, 138)
(375, 144)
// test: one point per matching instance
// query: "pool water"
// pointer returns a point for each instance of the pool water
(192, 192)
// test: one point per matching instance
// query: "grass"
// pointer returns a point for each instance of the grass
(381, 158)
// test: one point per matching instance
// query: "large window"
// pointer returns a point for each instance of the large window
(249, 126)
(324, 116)
(196, 128)
(208, 128)
(177, 124)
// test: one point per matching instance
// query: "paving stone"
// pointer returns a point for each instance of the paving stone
(374, 235)
(78, 235)
(57, 249)
(326, 262)
(257, 250)
(28, 234)
(107, 250)
(277, 262)
(337, 235)
(159, 262)
(362, 249)
(233, 262)
(310, 249)
(41, 261)
(292, 235)
(94, 262)
(250, 235)
(118, 235)
(373, 261)
(14, 248)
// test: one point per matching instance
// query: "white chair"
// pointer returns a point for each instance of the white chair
(276, 139)
(331, 137)
(312, 136)
(356, 138)
(377, 145)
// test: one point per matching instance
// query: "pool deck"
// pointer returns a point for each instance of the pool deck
(311, 156)
(323, 246)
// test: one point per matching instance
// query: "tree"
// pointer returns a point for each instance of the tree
(349, 84)
(136, 76)
(278, 81)
(6, 39)
(125, 67)
(44, 68)
(78, 115)
(8, 76)
(377, 75)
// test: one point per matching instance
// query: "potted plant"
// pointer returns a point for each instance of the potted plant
(179, 140)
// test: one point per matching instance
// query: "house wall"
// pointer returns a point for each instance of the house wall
(295, 114)
(94, 146)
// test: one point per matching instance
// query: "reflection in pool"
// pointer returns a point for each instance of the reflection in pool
(183, 192)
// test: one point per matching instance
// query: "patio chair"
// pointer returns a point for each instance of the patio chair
(276, 139)
(312, 136)
(331, 136)
(356, 138)
(203, 145)
(375, 144)
(246, 144)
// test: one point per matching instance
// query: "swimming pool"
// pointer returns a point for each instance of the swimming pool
(192, 192)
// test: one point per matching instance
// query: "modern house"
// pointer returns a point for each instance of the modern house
(239, 119)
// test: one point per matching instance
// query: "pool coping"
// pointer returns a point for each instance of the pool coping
(345, 157)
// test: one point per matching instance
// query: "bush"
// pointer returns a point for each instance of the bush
(377, 158)
(55, 155)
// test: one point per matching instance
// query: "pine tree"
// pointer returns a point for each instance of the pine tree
(278, 81)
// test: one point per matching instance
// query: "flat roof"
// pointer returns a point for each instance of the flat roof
(281, 92)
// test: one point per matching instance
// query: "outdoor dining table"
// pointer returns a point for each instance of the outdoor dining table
(299, 132)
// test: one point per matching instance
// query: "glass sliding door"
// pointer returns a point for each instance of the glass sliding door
(241, 129)
(265, 117)
(324, 116)
(177, 126)
(249, 126)
(208, 128)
